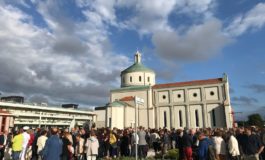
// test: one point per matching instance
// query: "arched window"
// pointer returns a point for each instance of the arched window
(213, 117)
(197, 118)
(140, 78)
(130, 78)
(180, 119)
(165, 119)
(148, 79)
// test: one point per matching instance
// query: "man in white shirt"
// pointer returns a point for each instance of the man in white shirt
(26, 138)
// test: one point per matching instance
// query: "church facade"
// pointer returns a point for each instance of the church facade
(191, 104)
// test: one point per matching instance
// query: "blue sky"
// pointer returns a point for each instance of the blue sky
(73, 51)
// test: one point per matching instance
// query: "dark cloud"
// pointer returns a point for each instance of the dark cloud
(258, 88)
(244, 100)
(68, 62)
(70, 45)
(198, 43)
(38, 98)
(165, 75)
(243, 115)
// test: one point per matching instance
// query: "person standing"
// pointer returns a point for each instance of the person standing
(204, 144)
(92, 146)
(53, 146)
(142, 142)
(186, 145)
(233, 147)
(3, 142)
(41, 144)
(125, 144)
(113, 144)
(252, 145)
(17, 143)
(79, 152)
(67, 152)
(155, 140)
(26, 138)
(134, 141)
(220, 146)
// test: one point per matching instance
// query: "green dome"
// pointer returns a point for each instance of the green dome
(137, 67)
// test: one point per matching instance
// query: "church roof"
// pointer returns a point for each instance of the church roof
(129, 88)
(137, 67)
(189, 83)
(128, 98)
(117, 104)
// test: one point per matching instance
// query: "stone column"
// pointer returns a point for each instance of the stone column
(187, 108)
(204, 108)
(7, 123)
(1, 119)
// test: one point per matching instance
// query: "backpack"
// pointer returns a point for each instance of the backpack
(211, 152)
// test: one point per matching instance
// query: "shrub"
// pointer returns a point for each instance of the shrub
(172, 154)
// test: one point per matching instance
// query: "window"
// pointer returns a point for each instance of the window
(148, 79)
(213, 117)
(197, 118)
(165, 119)
(180, 119)
(130, 78)
(164, 97)
(194, 94)
(110, 122)
(212, 93)
(140, 78)
(179, 95)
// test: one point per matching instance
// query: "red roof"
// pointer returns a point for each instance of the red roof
(188, 83)
(129, 98)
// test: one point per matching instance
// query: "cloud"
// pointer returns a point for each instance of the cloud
(258, 88)
(252, 20)
(243, 100)
(198, 43)
(66, 62)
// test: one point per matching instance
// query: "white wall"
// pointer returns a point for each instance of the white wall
(211, 93)
(101, 116)
(195, 95)
(125, 79)
(219, 115)
(163, 97)
(161, 117)
(176, 118)
(117, 117)
(178, 95)
(193, 108)
(143, 112)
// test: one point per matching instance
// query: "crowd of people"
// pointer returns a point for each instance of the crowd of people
(105, 143)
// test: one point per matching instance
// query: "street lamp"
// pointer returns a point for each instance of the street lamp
(138, 101)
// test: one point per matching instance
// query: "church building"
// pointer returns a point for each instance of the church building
(190, 104)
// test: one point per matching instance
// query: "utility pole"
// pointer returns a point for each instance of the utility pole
(137, 102)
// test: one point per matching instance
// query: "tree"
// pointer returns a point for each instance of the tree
(256, 120)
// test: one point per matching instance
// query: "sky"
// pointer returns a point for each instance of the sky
(72, 51)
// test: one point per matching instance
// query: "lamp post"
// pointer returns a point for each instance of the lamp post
(138, 101)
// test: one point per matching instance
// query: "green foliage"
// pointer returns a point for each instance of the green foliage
(131, 158)
(172, 154)
(256, 120)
